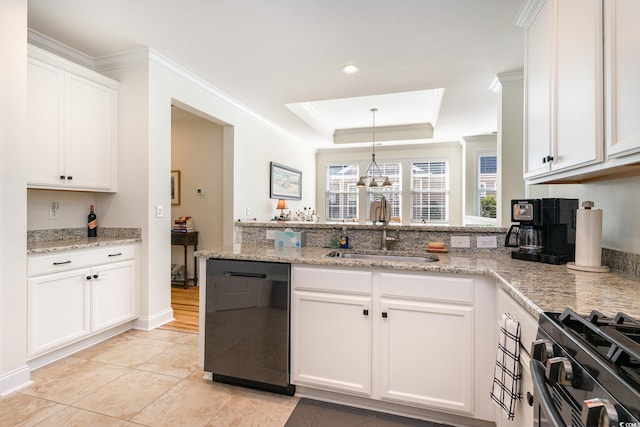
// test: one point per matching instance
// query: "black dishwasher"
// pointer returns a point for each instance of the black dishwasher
(247, 324)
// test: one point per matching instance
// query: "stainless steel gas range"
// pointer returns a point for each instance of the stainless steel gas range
(586, 370)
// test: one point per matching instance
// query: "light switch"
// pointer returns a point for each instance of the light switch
(200, 191)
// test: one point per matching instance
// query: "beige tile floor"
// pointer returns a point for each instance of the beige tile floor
(139, 378)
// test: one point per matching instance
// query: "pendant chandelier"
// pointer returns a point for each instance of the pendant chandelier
(374, 170)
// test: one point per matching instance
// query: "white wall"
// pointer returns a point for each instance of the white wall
(73, 208)
(149, 85)
(473, 147)
(510, 143)
(196, 151)
(451, 151)
(620, 204)
(13, 199)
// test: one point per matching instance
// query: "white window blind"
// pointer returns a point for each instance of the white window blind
(487, 180)
(342, 193)
(430, 191)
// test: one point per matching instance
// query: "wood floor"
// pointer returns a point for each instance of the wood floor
(184, 303)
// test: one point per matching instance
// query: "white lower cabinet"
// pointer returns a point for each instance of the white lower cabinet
(332, 336)
(112, 294)
(426, 340)
(404, 338)
(74, 294)
(426, 355)
(58, 309)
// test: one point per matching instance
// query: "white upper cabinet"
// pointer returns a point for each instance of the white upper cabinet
(622, 68)
(72, 131)
(538, 93)
(563, 87)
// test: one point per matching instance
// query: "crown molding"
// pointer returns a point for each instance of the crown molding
(506, 79)
(528, 12)
(47, 43)
(384, 133)
(139, 57)
(122, 59)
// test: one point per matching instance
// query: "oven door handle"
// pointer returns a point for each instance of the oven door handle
(540, 390)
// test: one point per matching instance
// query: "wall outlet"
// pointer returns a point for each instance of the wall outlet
(271, 234)
(486, 242)
(159, 211)
(54, 210)
(247, 212)
(460, 242)
(200, 191)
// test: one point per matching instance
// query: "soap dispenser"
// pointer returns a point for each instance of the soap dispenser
(344, 239)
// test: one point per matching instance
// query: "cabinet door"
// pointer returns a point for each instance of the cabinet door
(89, 133)
(331, 341)
(578, 89)
(426, 354)
(622, 68)
(112, 294)
(58, 309)
(563, 87)
(538, 112)
(45, 127)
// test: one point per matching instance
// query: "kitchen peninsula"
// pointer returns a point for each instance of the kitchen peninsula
(454, 303)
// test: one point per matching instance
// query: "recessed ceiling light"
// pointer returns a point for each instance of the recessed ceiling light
(350, 68)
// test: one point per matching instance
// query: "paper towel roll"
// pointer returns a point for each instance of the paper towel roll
(588, 237)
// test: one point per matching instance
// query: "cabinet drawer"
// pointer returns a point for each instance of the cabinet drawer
(435, 288)
(184, 238)
(68, 260)
(332, 280)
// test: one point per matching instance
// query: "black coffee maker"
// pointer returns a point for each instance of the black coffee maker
(545, 230)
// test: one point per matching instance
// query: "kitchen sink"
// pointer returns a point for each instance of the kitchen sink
(383, 257)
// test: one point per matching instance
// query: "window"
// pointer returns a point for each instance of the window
(342, 193)
(394, 194)
(430, 191)
(487, 191)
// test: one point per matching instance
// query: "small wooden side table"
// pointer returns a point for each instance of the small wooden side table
(186, 239)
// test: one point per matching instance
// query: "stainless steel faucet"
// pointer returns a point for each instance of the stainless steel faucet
(386, 240)
(383, 216)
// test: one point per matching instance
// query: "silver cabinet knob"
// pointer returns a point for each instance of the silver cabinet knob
(559, 370)
(542, 350)
(599, 412)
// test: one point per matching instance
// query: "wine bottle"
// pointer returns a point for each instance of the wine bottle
(92, 223)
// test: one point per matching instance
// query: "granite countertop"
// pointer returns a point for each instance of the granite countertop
(304, 225)
(538, 287)
(47, 246)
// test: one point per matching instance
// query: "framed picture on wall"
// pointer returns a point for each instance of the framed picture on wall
(175, 188)
(286, 182)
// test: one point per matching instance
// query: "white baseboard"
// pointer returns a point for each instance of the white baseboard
(15, 380)
(68, 350)
(147, 323)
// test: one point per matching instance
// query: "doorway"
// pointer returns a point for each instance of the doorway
(197, 194)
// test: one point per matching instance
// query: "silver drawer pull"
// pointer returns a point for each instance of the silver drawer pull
(62, 262)
(118, 254)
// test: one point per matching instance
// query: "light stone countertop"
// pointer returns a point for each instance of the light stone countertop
(47, 246)
(538, 287)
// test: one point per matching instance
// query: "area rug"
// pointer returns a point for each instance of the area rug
(313, 413)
